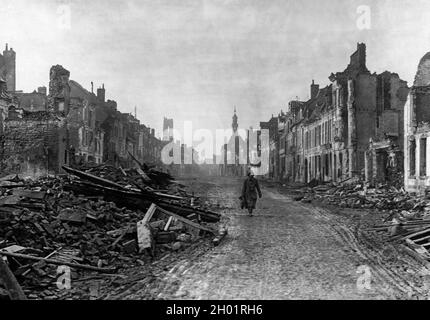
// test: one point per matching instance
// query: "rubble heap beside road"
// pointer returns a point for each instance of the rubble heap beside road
(95, 221)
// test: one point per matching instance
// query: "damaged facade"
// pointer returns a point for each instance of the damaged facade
(33, 101)
(8, 68)
(85, 135)
(273, 127)
(327, 137)
(34, 143)
(417, 130)
(384, 156)
(40, 132)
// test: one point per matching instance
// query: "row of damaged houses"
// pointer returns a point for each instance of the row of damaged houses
(40, 131)
(352, 127)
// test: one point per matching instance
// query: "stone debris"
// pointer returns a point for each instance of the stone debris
(90, 220)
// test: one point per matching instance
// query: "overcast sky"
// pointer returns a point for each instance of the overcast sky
(196, 60)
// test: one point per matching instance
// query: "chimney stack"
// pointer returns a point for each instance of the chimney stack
(101, 92)
(314, 89)
(42, 90)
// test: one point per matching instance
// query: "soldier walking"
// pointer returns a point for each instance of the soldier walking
(250, 190)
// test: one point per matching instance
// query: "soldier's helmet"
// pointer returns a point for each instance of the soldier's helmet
(250, 172)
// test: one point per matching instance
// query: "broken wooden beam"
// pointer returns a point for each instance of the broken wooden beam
(9, 281)
(415, 255)
(205, 215)
(421, 232)
(141, 166)
(51, 261)
(186, 221)
(144, 234)
(93, 178)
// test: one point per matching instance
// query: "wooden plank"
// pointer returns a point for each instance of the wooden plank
(143, 175)
(13, 248)
(39, 195)
(415, 255)
(135, 160)
(124, 232)
(403, 236)
(93, 178)
(149, 213)
(417, 233)
(144, 235)
(122, 171)
(168, 196)
(50, 261)
(185, 220)
(418, 248)
(206, 216)
(419, 222)
(107, 185)
(421, 239)
(10, 282)
(169, 222)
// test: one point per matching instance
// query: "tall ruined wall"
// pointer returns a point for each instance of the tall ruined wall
(59, 89)
(361, 119)
(422, 102)
(8, 68)
(33, 146)
(422, 77)
(365, 109)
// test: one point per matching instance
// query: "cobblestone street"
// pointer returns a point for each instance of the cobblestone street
(287, 250)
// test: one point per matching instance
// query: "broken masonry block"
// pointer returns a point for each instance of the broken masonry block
(71, 215)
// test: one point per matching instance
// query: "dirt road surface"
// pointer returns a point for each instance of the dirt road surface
(287, 250)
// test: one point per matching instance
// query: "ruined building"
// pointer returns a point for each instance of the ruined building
(275, 154)
(8, 68)
(59, 90)
(327, 137)
(85, 139)
(41, 140)
(33, 101)
(7, 100)
(417, 130)
(167, 129)
(40, 131)
(384, 156)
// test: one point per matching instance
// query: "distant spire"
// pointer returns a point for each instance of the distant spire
(235, 123)
(7, 47)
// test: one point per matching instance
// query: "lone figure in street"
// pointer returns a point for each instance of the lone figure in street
(249, 192)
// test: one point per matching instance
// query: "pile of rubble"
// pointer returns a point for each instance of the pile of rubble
(356, 194)
(91, 223)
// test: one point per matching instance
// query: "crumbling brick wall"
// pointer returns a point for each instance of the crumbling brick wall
(33, 147)
(59, 89)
